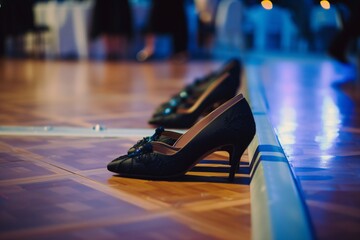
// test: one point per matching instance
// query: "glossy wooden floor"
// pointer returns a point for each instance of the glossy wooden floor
(59, 187)
(315, 108)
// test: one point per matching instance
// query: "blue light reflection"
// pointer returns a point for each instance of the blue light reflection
(287, 125)
(330, 122)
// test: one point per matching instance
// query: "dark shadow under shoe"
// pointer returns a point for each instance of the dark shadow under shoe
(231, 125)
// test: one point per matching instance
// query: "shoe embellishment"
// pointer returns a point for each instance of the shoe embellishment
(143, 149)
(140, 143)
(170, 110)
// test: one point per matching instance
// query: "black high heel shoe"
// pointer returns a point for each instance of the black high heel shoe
(231, 125)
(183, 110)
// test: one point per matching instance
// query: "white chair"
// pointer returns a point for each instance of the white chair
(69, 25)
(66, 29)
(324, 25)
(324, 18)
(266, 23)
(45, 15)
(81, 19)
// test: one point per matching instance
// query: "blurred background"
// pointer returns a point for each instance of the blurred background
(85, 29)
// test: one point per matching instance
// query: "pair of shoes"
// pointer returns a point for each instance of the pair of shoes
(231, 125)
(199, 98)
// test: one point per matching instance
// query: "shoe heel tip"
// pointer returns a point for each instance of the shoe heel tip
(231, 178)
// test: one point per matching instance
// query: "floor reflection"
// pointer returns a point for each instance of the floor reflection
(315, 111)
(330, 122)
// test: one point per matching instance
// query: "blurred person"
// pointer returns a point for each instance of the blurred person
(348, 33)
(112, 21)
(206, 13)
(301, 16)
(166, 17)
(16, 19)
(2, 28)
(300, 11)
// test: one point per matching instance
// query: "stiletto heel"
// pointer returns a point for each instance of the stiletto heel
(234, 160)
(231, 124)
